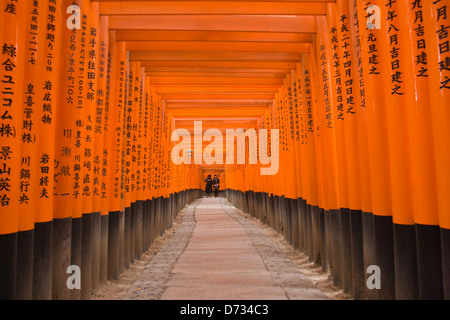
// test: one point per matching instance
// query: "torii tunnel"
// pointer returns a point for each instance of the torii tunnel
(114, 112)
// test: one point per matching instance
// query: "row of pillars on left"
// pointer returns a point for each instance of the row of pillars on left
(102, 246)
(83, 141)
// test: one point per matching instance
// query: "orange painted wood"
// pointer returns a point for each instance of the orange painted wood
(206, 80)
(217, 105)
(212, 7)
(213, 55)
(219, 97)
(305, 1)
(221, 64)
(304, 24)
(216, 74)
(215, 70)
(204, 35)
(239, 112)
(216, 89)
(288, 47)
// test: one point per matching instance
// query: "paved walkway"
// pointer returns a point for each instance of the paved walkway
(222, 261)
(218, 254)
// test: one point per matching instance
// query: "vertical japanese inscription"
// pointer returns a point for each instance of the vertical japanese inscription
(10, 114)
(442, 33)
(393, 32)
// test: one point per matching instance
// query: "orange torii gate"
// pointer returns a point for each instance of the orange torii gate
(91, 92)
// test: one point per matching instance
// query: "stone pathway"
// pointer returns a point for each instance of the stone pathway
(216, 253)
(150, 284)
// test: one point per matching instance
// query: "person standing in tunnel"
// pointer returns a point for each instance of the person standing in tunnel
(216, 185)
(209, 184)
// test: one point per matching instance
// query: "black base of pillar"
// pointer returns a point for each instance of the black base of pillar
(359, 284)
(139, 222)
(384, 252)
(127, 258)
(86, 256)
(368, 250)
(96, 245)
(75, 253)
(293, 211)
(429, 262)
(8, 266)
(61, 252)
(346, 253)
(405, 255)
(328, 238)
(121, 241)
(309, 233)
(152, 219)
(42, 261)
(316, 235)
(445, 249)
(336, 248)
(113, 245)
(132, 232)
(145, 225)
(24, 283)
(104, 227)
(323, 242)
